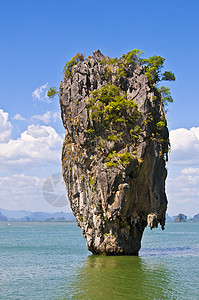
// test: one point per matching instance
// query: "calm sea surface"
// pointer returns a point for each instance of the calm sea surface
(51, 261)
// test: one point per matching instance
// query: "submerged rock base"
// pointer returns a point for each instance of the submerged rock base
(114, 152)
(122, 239)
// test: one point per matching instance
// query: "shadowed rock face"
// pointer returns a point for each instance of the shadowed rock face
(114, 169)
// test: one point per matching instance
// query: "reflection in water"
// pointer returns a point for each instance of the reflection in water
(123, 277)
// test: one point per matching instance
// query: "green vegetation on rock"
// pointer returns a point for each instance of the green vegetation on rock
(113, 118)
(133, 56)
(165, 95)
(110, 109)
(114, 159)
(154, 64)
(52, 92)
(92, 181)
(70, 64)
(160, 125)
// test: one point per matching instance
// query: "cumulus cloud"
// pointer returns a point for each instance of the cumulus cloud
(183, 193)
(182, 187)
(36, 151)
(18, 117)
(190, 171)
(184, 146)
(47, 117)
(38, 145)
(40, 93)
(25, 192)
(20, 190)
(5, 127)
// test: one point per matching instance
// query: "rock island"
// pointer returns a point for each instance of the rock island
(115, 148)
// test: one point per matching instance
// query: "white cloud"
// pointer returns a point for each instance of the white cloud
(38, 145)
(18, 117)
(5, 127)
(183, 192)
(47, 117)
(184, 146)
(182, 186)
(19, 189)
(36, 151)
(190, 171)
(40, 93)
(25, 192)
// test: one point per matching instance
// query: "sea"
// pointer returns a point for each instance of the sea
(50, 261)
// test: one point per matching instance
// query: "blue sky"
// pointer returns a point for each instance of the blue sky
(39, 37)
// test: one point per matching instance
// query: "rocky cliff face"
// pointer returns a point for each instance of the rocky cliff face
(114, 152)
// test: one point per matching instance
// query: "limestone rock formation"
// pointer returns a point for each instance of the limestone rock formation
(181, 218)
(114, 152)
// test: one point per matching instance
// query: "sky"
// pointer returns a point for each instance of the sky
(38, 37)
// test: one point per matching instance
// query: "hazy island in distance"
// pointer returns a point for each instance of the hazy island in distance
(28, 216)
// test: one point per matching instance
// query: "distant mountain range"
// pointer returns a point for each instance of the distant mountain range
(29, 216)
(25, 215)
(181, 218)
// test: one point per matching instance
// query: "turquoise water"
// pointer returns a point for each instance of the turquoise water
(51, 261)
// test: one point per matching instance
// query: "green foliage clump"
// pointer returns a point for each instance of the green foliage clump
(165, 94)
(70, 64)
(114, 159)
(154, 65)
(121, 72)
(107, 73)
(109, 235)
(52, 92)
(92, 181)
(149, 119)
(160, 125)
(109, 61)
(112, 61)
(90, 130)
(113, 137)
(169, 76)
(132, 57)
(110, 109)
(113, 118)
